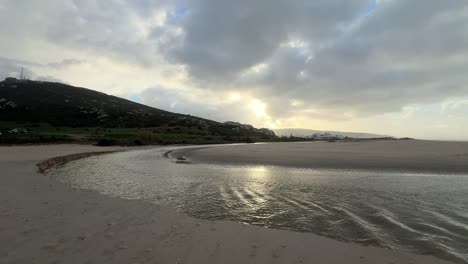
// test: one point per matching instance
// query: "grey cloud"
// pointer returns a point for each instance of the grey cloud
(350, 63)
(13, 68)
(96, 26)
(399, 63)
(99, 26)
(48, 78)
(406, 52)
(64, 63)
(224, 37)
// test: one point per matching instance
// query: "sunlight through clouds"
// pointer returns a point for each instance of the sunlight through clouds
(353, 65)
(258, 107)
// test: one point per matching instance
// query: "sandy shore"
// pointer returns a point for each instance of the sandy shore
(44, 221)
(401, 155)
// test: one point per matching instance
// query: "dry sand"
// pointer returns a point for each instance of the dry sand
(45, 221)
(398, 155)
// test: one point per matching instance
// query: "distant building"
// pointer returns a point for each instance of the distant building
(11, 80)
(326, 136)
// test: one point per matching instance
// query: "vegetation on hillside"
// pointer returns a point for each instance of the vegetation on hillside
(46, 133)
(55, 112)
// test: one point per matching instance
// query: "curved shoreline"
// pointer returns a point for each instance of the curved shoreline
(44, 219)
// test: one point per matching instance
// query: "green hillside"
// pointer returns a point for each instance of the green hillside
(70, 113)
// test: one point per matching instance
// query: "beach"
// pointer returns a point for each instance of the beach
(391, 155)
(46, 221)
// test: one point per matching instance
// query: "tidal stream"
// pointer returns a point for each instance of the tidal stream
(419, 213)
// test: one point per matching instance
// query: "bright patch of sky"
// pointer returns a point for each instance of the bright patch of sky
(135, 98)
(176, 14)
(370, 9)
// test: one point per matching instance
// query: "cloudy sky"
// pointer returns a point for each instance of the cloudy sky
(397, 67)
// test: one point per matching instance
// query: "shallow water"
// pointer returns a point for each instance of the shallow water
(420, 213)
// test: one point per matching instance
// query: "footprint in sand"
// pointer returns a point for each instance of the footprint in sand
(275, 253)
(212, 227)
(253, 251)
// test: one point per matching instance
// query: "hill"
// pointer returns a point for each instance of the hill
(300, 132)
(47, 104)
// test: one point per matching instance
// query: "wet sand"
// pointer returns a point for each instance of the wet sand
(45, 221)
(391, 155)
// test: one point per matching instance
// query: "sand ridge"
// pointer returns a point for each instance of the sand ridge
(392, 155)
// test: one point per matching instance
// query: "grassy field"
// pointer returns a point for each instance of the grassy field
(45, 133)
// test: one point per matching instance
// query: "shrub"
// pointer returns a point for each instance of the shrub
(137, 142)
(104, 142)
(249, 140)
(148, 137)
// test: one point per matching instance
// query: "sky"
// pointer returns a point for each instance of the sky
(394, 67)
